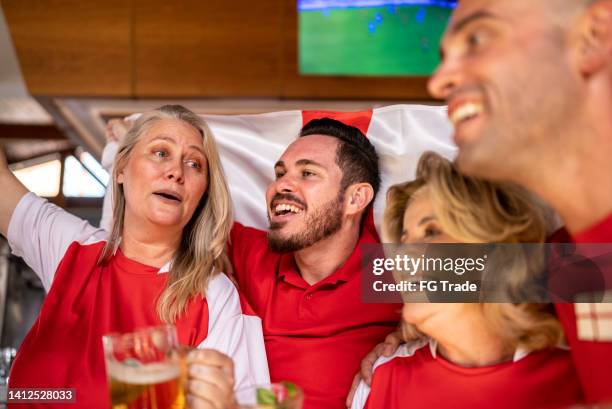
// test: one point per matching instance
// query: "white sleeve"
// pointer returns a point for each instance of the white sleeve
(404, 350)
(108, 158)
(40, 233)
(361, 396)
(235, 334)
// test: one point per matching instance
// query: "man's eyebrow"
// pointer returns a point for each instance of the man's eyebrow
(279, 164)
(481, 14)
(305, 162)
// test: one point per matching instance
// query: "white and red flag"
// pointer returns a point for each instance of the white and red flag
(250, 145)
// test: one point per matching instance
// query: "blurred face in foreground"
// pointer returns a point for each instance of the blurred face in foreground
(165, 176)
(305, 202)
(507, 76)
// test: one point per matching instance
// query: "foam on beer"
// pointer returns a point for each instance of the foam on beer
(148, 374)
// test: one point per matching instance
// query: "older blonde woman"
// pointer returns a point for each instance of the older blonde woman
(469, 355)
(161, 263)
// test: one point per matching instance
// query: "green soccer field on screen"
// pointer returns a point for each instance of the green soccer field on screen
(369, 37)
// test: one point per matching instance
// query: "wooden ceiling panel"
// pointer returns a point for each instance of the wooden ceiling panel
(18, 150)
(72, 47)
(176, 49)
(213, 48)
(30, 132)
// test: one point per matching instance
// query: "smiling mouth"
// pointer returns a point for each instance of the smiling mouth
(465, 112)
(284, 209)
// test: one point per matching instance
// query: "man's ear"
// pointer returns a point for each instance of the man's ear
(594, 32)
(358, 197)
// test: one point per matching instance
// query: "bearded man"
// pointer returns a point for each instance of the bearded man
(302, 277)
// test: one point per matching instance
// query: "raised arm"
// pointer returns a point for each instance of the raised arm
(36, 230)
(12, 192)
(115, 132)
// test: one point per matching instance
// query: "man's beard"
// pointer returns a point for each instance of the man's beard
(319, 225)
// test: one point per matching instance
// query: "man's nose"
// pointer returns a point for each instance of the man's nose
(445, 79)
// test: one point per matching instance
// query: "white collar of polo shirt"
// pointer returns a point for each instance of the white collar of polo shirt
(165, 268)
(519, 354)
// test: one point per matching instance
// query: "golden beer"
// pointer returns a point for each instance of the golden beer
(144, 369)
(153, 386)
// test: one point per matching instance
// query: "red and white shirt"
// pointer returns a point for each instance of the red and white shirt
(85, 301)
(414, 377)
(588, 329)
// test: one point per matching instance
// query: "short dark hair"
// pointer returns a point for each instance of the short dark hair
(355, 156)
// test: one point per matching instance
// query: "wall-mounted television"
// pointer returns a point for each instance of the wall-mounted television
(370, 37)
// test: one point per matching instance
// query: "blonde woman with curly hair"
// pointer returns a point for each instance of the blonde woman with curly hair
(469, 355)
(161, 263)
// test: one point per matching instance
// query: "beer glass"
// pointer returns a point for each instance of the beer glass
(144, 369)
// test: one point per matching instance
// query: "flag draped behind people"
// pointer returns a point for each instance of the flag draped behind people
(249, 145)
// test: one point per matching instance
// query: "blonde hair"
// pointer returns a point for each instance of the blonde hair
(201, 252)
(474, 210)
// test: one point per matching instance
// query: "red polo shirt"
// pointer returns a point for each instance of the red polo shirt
(591, 347)
(418, 380)
(315, 335)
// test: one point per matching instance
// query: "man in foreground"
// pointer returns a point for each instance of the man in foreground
(529, 91)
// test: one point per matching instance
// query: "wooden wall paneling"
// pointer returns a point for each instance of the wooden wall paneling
(213, 48)
(295, 85)
(72, 47)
